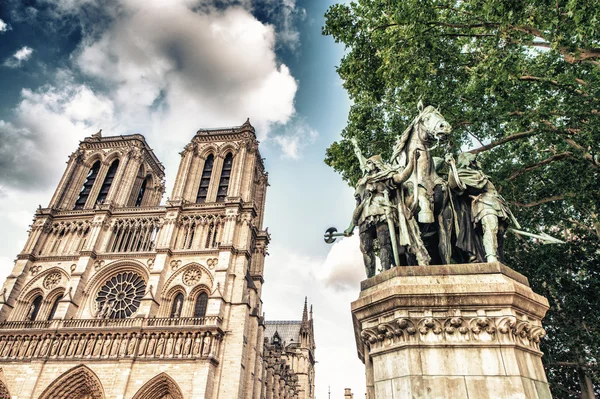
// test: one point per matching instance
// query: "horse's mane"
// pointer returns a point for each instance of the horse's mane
(403, 139)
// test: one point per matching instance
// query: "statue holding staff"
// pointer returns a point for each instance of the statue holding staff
(376, 213)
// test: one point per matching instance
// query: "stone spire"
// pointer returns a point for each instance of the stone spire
(305, 313)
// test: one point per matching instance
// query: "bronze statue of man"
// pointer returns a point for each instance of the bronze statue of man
(376, 214)
(487, 216)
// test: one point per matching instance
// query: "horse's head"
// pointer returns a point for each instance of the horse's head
(433, 124)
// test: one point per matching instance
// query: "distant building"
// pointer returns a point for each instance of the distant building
(115, 296)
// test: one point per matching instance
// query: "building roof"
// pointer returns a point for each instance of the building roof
(288, 330)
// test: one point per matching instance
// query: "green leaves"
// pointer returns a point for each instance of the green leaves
(525, 74)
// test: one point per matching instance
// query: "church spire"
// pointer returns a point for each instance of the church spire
(305, 312)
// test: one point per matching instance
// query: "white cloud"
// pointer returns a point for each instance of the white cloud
(4, 27)
(343, 268)
(296, 136)
(47, 126)
(20, 56)
(210, 68)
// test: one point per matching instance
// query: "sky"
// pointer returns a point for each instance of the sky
(165, 68)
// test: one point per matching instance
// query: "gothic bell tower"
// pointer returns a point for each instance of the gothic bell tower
(117, 296)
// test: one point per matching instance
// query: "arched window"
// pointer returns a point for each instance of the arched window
(205, 179)
(54, 307)
(34, 308)
(200, 306)
(140, 197)
(87, 186)
(225, 175)
(110, 176)
(177, 305)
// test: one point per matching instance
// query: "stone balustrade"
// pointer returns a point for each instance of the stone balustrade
(10, 327)
(194, 338)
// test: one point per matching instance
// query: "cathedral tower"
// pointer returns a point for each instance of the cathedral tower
(117, 296)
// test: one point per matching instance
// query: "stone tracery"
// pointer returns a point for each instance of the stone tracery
(120, 296)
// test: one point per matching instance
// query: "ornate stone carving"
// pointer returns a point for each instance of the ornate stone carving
(35, 269)
(212, 263)
(192, 276)
(52, 280)
(175, 264)
(453, 330)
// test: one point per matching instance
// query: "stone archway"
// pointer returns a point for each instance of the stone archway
(4, 394)
(160, 387)
(77, 383)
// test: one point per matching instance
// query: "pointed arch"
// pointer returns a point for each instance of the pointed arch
(87, 185)
(78, 382)
(4, 392)
(207, 169)
(225, 176)
(179, 273)
(160, 387)
(108, 180)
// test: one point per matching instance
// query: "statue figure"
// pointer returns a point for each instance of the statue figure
(206, 345)
(160, 345)
(142, 347)
(131, 345)
(376, 214)
(197, 345)
(32, 346)
(482, 213)
(187, 345)
(45, 345)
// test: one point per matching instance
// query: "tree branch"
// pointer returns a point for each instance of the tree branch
(542, 201)
(505, 140)
(586, 155)
(529, 78)
(551, 159)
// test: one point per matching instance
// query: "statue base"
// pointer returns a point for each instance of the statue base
(453, 331)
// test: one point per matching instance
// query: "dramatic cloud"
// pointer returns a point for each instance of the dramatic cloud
(48, 124)
(165, 69)
(4, 26)
(216, 67)
(22, 55)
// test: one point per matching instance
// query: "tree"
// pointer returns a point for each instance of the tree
(520, 83)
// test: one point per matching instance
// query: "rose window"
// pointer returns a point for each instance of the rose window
(192, 276)
(52, 280)
(120, 296)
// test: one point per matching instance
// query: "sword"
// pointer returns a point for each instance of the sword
(391, 227)
(545, 238)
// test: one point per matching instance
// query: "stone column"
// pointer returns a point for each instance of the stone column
(452, 331)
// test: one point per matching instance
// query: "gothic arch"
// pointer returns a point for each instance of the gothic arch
(160, 387)
(112, 156)
(183, 269)
(167, 299)
(78, 382)
(4, 392)
(228, 148)
(91, 159)
(205, 151)
(42, 275)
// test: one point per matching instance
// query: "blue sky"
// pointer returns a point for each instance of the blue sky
(165, 68)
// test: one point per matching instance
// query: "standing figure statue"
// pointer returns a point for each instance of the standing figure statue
(376, 214)
(482, 213)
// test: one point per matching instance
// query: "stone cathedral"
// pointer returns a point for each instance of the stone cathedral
(116, 296)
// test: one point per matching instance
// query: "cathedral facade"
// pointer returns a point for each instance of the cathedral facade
(116, 296)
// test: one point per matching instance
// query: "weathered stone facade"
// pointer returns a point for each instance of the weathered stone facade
(116, 296)
(453, 331)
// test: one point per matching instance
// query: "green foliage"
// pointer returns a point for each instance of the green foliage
(520, 83)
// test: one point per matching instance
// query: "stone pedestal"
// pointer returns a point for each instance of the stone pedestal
(456, 331)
